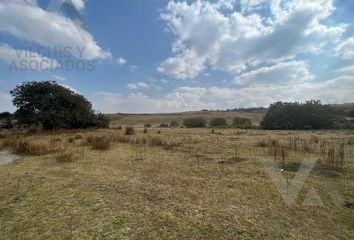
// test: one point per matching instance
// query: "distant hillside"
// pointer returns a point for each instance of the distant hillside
(121, 119)
(344, 106)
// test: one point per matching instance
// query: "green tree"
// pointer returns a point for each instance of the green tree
(218, 122)
(242, 123)
(309, 115)
(52, 106)
(194, 122)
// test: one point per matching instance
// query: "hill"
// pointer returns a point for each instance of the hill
(121, 119)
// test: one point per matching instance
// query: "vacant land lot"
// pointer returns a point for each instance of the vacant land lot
(177, 184)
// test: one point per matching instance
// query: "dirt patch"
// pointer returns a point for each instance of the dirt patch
(7, 158)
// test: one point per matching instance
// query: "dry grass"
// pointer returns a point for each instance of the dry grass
(102, 143)
(66, 157)
(206, 186)
(29, 146)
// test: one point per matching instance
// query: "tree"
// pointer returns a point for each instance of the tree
(218, 122)
(351, 113)
(194, 122)
(52, 106)
(295, 116)
(5, 115)
(242, 123)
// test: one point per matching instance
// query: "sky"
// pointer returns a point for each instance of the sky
(151, 56)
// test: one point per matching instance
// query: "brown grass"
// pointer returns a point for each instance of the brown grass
(67, 157)
(29, 147)
(102, 143)
(187, 184)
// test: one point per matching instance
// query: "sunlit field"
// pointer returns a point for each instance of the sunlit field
(175, 183)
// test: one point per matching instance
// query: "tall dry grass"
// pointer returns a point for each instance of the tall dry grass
(28, 146)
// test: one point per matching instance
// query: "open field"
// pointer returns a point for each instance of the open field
(156, 119)
(176, 184)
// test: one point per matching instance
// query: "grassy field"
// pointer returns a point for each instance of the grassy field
(175, 184)
(156, 119)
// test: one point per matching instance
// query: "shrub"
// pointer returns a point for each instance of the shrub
(71, 139)
(119, 128)
(79, 136)
(163, 125)
(194, 122)
(99, 142)
(218, 122)
(66, 158)
(2, 136)
(297, 116)
(243, 123)
(147, 125)
(174, 124)
(129, 131)
(145, 131)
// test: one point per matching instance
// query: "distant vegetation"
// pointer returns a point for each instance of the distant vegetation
(174, 124)
(194, 122)
(297, 116)
(51, 106)
(163, 125)
(243, 123)
(218, 122)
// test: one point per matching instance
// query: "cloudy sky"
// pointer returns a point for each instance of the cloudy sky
(168, 56)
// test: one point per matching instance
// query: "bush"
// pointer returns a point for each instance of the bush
(79, 136)
(299, 116)
(174, 124)
(163, 125)
(243, 123)
(129, 131)
(194, 122)
(351, 113)
(145, 131)
(147, 125)
(218, 122)
(99, 142)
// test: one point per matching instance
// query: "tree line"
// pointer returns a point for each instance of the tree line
(49, 106)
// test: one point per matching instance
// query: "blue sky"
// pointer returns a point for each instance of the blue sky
(168, 56)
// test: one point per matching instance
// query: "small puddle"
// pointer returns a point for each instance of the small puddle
(7, 157)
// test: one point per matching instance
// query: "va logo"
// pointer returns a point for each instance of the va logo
(71, 10)
(290, 191)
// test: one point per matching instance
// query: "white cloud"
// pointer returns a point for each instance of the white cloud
(24, 60)
(138, 85)
(348, 69)
(345, 49)
(207, 36)
(79, 4)
(58, 78)
(185, 65)
(6, 102)
(251, 5)
(26, 20)
(121, 61)
(133, 68)
(280, 73)
(255, 95)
